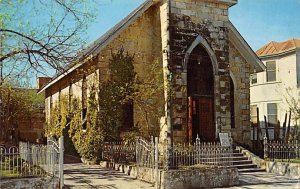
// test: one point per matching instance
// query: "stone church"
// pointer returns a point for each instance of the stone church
(206, 66)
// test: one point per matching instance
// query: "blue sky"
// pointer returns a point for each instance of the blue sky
(262, 21)
(259, 21)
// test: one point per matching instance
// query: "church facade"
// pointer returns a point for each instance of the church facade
(206, 67)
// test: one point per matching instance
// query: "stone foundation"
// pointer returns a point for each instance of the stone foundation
(181, 179)
(199, 178)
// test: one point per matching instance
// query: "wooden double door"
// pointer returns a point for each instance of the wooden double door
(201, 118)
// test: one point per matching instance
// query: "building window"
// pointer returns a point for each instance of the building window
(51, 102)
(253, 115)
(59, 100)
(128, 115)
(70, 97)
(84, 118)
(272, 114)
(84, 103)
(177, 124)
(253, 78)
(271, 71)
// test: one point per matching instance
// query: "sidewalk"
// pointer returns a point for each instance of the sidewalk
(264, 180)
(81, 176)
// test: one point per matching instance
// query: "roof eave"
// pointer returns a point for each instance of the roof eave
(226, 2)
(239, 42)
(279, 54)
(229, 2)
(59, 77)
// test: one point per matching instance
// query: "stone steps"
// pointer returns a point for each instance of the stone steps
(235, 160)
(251, 170)
(244, 164)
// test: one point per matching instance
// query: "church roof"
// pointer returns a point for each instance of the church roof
(274, 48)
(95, 47)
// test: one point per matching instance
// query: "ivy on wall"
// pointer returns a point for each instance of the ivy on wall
(105, 108)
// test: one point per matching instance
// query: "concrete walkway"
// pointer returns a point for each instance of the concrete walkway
(83, 176)
(264, 180)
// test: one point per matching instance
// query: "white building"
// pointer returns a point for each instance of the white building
(274, 89)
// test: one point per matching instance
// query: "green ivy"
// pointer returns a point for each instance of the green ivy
(104, 107)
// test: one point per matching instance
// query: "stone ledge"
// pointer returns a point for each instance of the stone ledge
(144, 173)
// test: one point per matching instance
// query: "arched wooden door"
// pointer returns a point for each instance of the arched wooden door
(200, 85)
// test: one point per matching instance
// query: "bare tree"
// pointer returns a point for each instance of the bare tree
(47, 35)
(37, 36)
(292, 100)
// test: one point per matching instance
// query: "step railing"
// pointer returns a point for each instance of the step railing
(211, 154)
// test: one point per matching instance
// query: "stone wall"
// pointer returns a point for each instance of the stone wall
(199, 178)
(32, 183)
(142, 38)
(240, 74)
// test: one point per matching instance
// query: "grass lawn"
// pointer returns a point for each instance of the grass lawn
(286, 160)
(8, 173)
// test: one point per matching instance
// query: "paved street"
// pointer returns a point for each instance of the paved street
(92, 176)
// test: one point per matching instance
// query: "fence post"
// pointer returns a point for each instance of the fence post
(167, 155)
(61, 161)
(156, 163)
(137, 155)
(297, 149)
(265, 147)
(152, 157)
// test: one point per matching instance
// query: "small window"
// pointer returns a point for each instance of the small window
(271, 71)
(128, 115)
(272, 114)
(253, 78)
(51, 102)
(70, 97)
(84, 118)
(84, 103)
(84, 92)
(253, 114)
(59, 100)
(177, 124)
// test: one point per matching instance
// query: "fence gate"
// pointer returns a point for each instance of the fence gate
(56, 158)
(147, 156)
